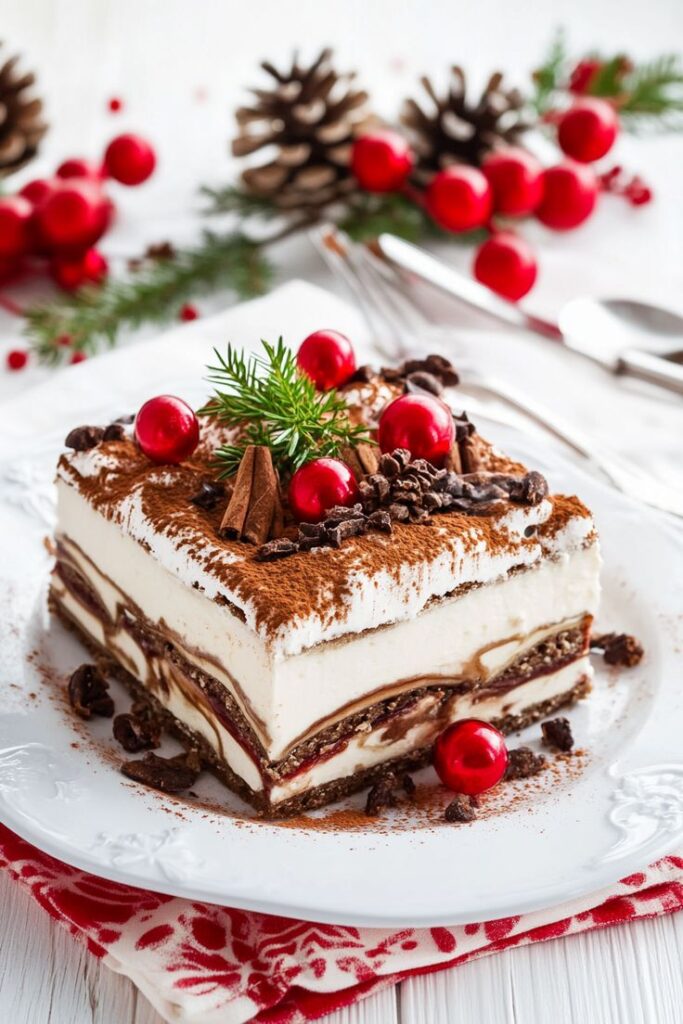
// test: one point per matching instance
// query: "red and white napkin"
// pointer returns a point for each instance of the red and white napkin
(212, 965)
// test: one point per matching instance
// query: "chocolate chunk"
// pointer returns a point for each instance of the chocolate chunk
(408, 784)
(82, 438)
(380, 796)
(399, 512)
(340, 513)
(443, 369)
(386, 792)
(136, 732)
(274, 549)
(620, 649)
(126, 419)
(346, 528)
(380, 520)
(114, 432)
(89, 693)
(169, 774)
(389, 466)
(463, 427)
(534, 488)
(363, 375)
(423, 383)
(435, 365)
(380, 486)
(460, 811)
(402, 456)
(210, 494)
(523, 763)
(557, 733)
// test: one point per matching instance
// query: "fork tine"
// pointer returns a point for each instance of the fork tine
(334, 253)
(403, 309)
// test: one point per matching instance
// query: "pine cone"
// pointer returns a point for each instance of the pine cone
(455, 131)
(21, 122)
(310, 118)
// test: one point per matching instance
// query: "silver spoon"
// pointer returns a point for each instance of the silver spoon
(622, 336)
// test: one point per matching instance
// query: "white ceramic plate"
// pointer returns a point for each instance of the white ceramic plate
(578, 827)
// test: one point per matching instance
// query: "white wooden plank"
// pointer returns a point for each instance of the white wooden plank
(631, 974)
(378, 1009)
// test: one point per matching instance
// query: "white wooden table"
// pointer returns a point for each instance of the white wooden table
(630, 974)
(179, 68)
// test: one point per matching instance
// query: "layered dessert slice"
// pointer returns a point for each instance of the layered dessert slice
(301, 659)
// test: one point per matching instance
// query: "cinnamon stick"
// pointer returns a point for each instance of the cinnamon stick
(363, 459)
(254, 507)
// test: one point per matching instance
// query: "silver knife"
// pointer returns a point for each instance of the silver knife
(580, 319)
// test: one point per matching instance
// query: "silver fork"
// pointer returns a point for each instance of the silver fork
(395, 321)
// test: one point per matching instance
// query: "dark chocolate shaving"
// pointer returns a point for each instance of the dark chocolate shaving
(274, 549)
(210, 494)
(620, 649)
(435, 365)
(460, 811)
(83, 438)
(410, 491)
(523, 763)
(557, 733)
(169, 774)
(89, 693)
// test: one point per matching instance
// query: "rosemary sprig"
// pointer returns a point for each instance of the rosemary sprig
(93, 317)
(274, 404)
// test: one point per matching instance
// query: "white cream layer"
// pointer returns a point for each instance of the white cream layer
(369, 749)
(287, 696)
(363, 751)
(372, 597)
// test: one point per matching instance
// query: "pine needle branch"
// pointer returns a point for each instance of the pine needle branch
(270, 402)
(231, 199)
(93, 317)
(655, 90)
(548, 77)
(649, 94)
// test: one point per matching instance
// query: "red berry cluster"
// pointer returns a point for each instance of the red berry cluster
(511, 183)
(633, 189)
(60, 219)
(55, 223)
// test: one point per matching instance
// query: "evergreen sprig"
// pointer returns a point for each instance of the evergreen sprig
(231, 199)
(272, 403)
(548, 77)
(363, 215)
(93, 317)
(649, 94)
